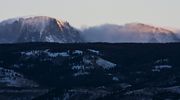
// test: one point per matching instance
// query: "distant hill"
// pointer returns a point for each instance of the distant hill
(91, 71)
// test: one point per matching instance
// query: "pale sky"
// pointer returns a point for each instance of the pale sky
(95, 12)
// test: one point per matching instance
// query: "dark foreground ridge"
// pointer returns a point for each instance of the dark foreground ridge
(89, 71)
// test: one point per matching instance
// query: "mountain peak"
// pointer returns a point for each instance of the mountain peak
(37, 29)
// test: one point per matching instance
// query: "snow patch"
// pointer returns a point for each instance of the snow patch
(78, 52)
(159, 67)
(79, 70)
(115, 78)
(93, 51)
(50, 54)
(125, 85)
(105, 64)
(30, 53)
(161, 61)
(63, 54)
(77, 67)
(80, 73)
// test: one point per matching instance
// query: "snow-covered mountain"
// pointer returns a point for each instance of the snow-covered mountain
(37, 29)
(133, 32)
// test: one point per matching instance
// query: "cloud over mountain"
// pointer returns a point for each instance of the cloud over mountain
(133, 32)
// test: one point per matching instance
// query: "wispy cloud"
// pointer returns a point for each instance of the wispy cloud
(117, 33)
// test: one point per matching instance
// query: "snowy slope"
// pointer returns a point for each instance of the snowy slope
(37, 29)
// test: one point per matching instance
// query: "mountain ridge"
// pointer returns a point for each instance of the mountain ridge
(48, 29)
